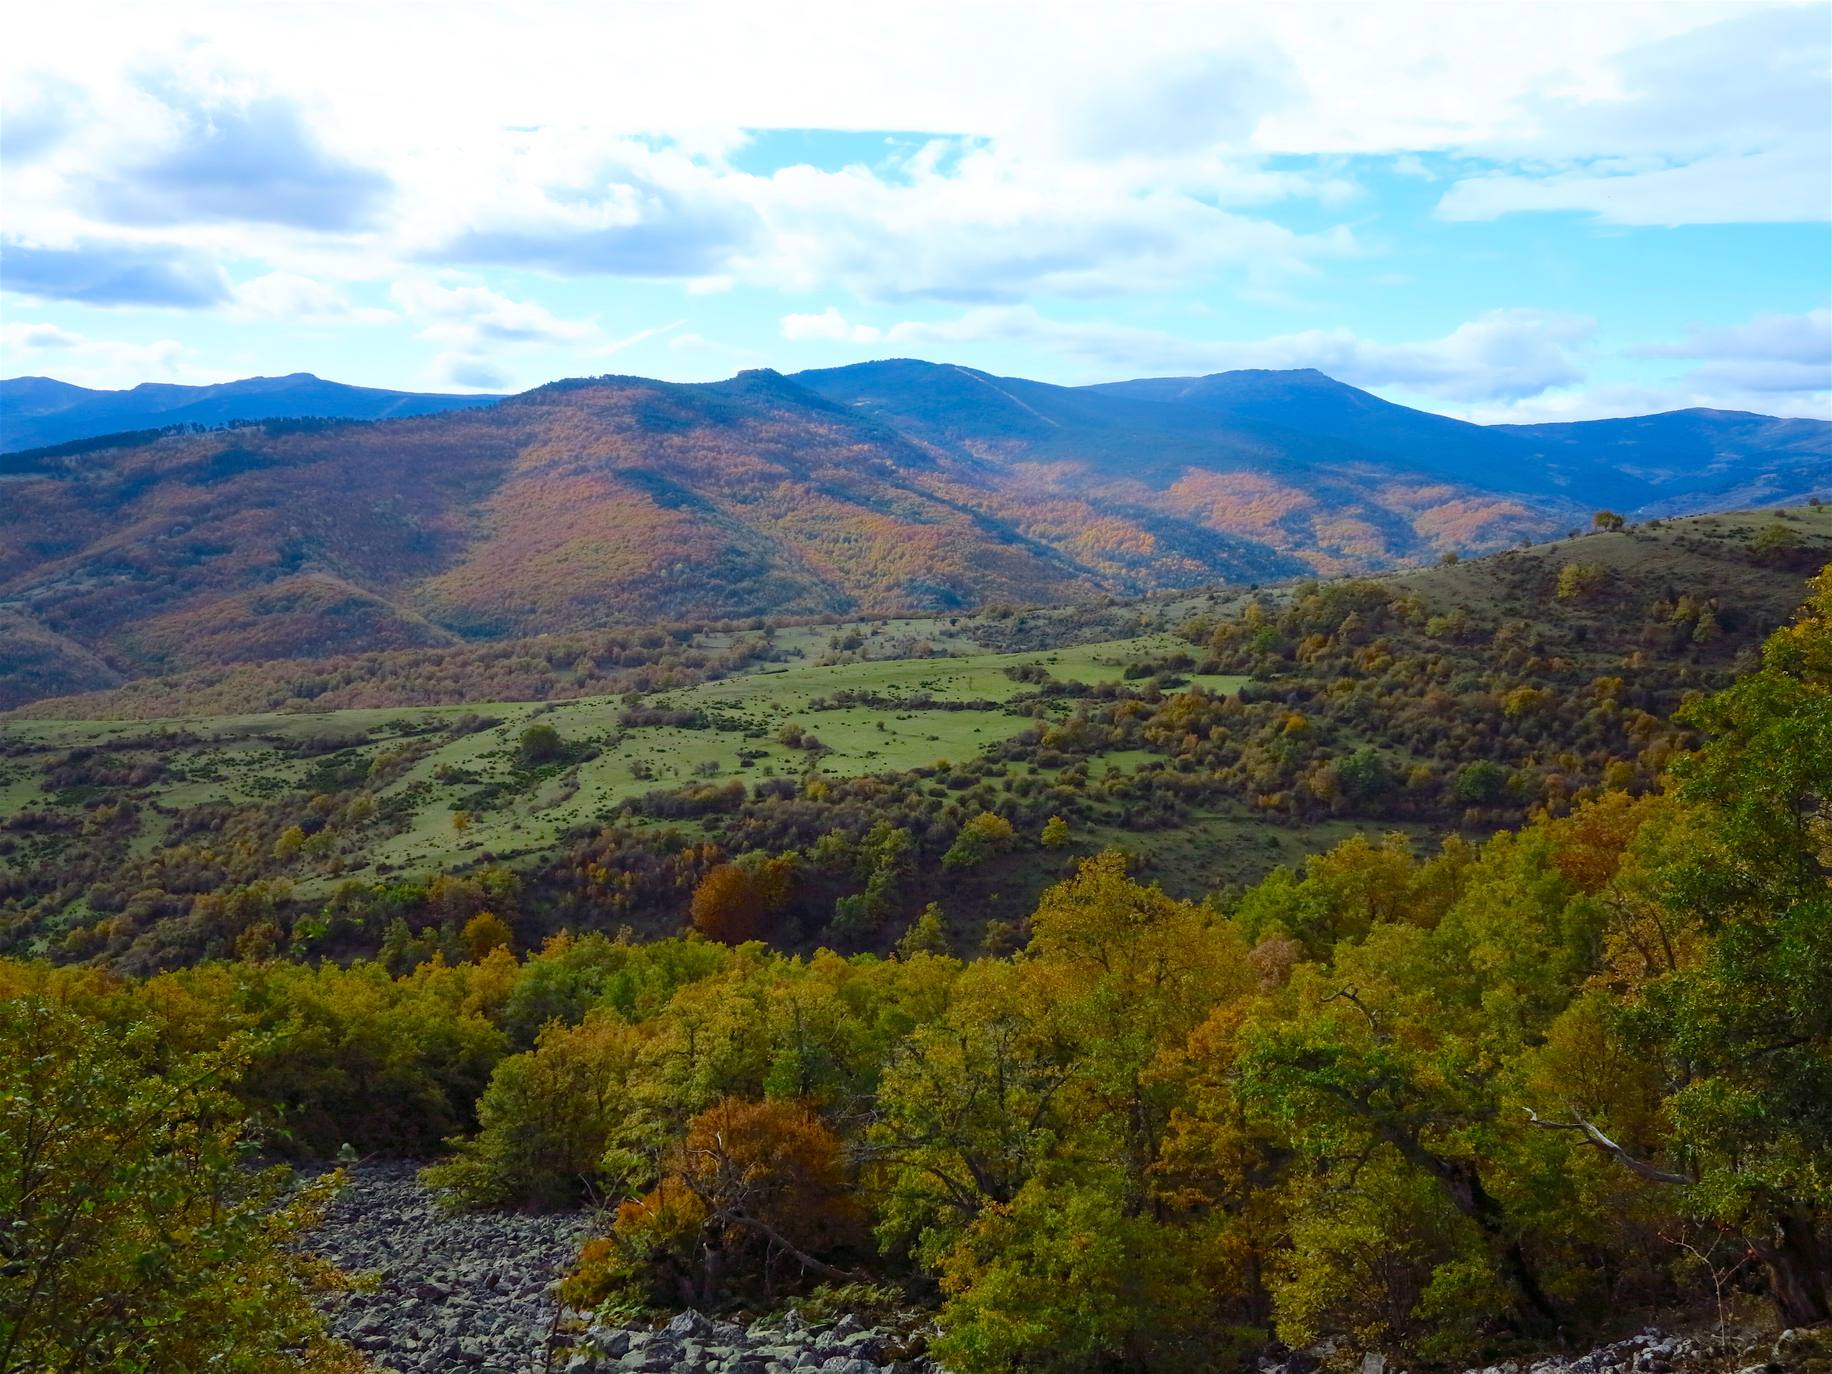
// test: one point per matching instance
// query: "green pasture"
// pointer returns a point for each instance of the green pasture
(902, 713)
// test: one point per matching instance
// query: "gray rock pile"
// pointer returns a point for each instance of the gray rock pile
(1649, 1352)
(691, 1342)
(472, 1293)
(456, 1290)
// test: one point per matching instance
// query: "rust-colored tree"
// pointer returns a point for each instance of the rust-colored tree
(738, 902)
(754, 1197)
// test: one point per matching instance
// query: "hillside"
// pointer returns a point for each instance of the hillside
(868, 490)
(1224, 856)
(40, 411)
(1460, 696)
(1695, 459)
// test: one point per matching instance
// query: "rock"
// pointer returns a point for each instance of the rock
(611, 1342)
(689, 1323)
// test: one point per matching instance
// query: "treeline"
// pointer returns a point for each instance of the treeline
(559, 667)
(1444, 1107)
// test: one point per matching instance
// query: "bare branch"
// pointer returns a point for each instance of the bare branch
(1639, 1167)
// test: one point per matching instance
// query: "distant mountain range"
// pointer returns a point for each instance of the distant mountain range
(881, 487)
(38, 411)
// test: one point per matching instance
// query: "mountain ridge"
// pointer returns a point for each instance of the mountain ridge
(872, 489)
(38, 412)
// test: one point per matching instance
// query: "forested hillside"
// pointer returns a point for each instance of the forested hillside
(1446, 1105)
(884, 488)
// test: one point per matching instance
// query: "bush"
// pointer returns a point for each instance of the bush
(136, 1238)
(540, 744)
(755, 1187)
(979, 839)
(547, 1118)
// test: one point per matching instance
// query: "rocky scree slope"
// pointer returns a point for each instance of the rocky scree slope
(441, 1290)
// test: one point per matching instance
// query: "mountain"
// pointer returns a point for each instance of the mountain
(1646, 465)
(37, 411)
(1694, 459)
(884, 487)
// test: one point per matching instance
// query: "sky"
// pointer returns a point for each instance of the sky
(1497, 211)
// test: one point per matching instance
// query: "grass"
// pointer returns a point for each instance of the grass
(910, 712)
(881, 696)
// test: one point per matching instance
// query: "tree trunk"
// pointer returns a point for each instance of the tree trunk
(1798, 1280)
(712, 1268)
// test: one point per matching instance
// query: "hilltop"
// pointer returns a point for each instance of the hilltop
(885, 488)
(39, 411)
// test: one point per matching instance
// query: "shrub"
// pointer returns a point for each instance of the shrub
(136, 1238)
(539, 744)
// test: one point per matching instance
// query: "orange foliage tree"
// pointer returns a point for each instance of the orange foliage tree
(754, 1196)
(736, 902)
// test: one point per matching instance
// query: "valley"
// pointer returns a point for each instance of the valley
(877, 490)
(1213, 734)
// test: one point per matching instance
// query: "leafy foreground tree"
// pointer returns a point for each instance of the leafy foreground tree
(136, 1241)
(1738, 1017)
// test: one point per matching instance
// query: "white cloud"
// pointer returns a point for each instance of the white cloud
(35, 348)
(1730, 123)
(1601, 402)
(1805, 339)
(829, 325)
(1078, 157)
(1771, 186)
(297, 299)
(467, 372)
(474, 318)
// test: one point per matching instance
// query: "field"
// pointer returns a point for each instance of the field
(461, 792)
(734, 738)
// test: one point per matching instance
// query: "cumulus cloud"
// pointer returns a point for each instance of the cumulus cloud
(113, 273)
(958, 220)
(256, 162)
(1050, 161)
(297, 299)
(475, 317)
(1726, 124)
(829, 325)
(470, 373)
(480, 331)
(42, 347)
(1186, 102)
(36, 118)
(634, 226)
(1805, 339)
(1771, 186)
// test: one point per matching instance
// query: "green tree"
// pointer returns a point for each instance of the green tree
(1479, 783)
(1582, 581)
(136, 1238)
(1774, 539)
(1742, 1028)
(979, 839)
(928, 933)
(539, 743)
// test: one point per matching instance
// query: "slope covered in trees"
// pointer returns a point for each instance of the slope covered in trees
(883, 767)
(894, 487)
(1445, 1106)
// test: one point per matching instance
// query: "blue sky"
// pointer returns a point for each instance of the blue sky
(1497, 211)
